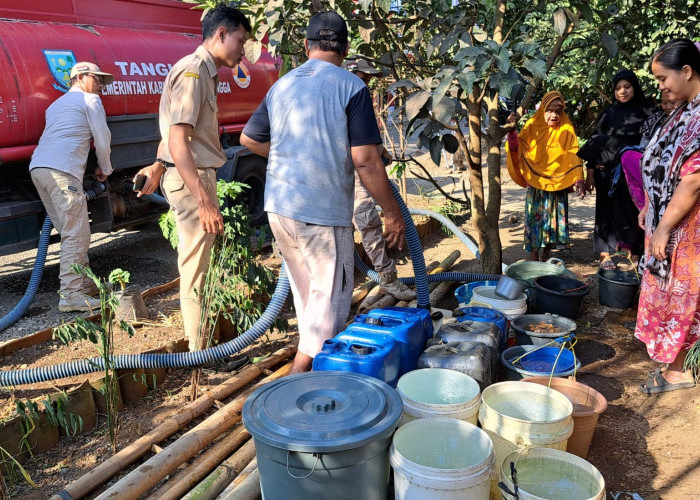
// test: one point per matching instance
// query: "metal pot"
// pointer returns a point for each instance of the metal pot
(509, 288)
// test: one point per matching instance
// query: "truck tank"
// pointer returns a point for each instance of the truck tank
(137, 41)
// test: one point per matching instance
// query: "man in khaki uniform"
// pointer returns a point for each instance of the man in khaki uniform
(190, 152)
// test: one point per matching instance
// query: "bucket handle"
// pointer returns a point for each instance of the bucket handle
(318, 457)
(514, 477)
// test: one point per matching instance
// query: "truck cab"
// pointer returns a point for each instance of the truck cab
(137, 41)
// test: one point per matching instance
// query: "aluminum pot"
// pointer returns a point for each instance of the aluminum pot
(509, 288)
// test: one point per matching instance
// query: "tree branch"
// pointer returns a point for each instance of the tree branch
(466, 202)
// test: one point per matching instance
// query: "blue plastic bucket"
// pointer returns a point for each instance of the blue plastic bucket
(464, 293)
(539, 363)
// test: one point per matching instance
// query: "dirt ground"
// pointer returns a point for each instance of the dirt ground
(643, 444)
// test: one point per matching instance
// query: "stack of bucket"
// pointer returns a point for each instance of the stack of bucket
(331, 434)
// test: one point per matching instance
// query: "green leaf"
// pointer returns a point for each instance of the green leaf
(434, 44)
(435, 150)
(503, 60)
(468, 52)
(443, 87)
(407, 84)
(559, 21)
(537, 67)
(444, 110)
(466, 80)
(610, 44)
(586, 11)
(415, 103)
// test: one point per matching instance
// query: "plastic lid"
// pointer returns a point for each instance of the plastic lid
(322, 411)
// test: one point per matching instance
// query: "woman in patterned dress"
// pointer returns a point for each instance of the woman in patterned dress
(542, 158)
(668, 320)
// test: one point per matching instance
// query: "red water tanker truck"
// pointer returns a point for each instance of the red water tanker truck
(137, 41)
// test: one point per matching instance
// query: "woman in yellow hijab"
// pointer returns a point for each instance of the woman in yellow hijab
(542, 158)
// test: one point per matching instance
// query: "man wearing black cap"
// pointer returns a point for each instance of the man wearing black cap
(365, 216)
(317, 126)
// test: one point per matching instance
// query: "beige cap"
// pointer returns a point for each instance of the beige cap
(81, 68)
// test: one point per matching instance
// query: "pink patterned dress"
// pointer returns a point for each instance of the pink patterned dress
(668, 318)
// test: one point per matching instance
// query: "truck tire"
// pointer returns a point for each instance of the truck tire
(251, 170)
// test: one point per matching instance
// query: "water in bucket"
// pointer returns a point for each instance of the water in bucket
(544, 474)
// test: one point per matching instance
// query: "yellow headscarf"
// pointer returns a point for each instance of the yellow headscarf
(546, 156)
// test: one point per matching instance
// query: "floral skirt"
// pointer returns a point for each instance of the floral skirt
(668, 317)
(546, 219)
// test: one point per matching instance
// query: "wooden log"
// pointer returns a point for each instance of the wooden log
(141, 479)
(186, 479)
(361, 291)
(249, 489)
(98, 475)
(373, 296)
(223, 475)
(250, 470)
(439, 292)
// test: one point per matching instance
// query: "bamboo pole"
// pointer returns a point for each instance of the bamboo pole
(373, 296)
(95, 477)
(439, 292)
(186, 479)
(249, 489)
(138, 481)
(361, 291)
(223, 475)
(251, 469)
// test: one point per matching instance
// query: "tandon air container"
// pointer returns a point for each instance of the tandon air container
(369, 353)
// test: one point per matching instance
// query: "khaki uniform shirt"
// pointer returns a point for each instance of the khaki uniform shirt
(189, 96)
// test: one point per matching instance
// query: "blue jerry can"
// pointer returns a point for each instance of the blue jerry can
(368, 353)
(423, 317)
(406, 329)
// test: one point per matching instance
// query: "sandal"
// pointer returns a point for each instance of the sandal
(659, 369)
(658, 384)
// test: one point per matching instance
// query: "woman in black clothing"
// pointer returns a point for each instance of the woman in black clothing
(616, 226)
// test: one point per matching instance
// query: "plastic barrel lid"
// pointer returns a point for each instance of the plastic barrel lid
(322, 411)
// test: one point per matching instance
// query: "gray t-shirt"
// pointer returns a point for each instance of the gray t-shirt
(311, 117)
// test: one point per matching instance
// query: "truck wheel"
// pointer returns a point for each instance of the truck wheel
(251, 171)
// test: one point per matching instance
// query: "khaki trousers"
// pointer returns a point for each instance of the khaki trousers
(65, 202)
(320, 268)
(194, 246)
(366, 219)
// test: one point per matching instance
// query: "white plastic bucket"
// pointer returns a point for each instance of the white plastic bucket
(487, 294)
(544, 473)
(441, 459)
(438, 392)
(515, 417)
(511, 314)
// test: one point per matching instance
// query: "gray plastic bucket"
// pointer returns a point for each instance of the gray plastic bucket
(323, 434)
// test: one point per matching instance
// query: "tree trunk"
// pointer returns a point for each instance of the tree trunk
(492, 257)
(476, 179)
